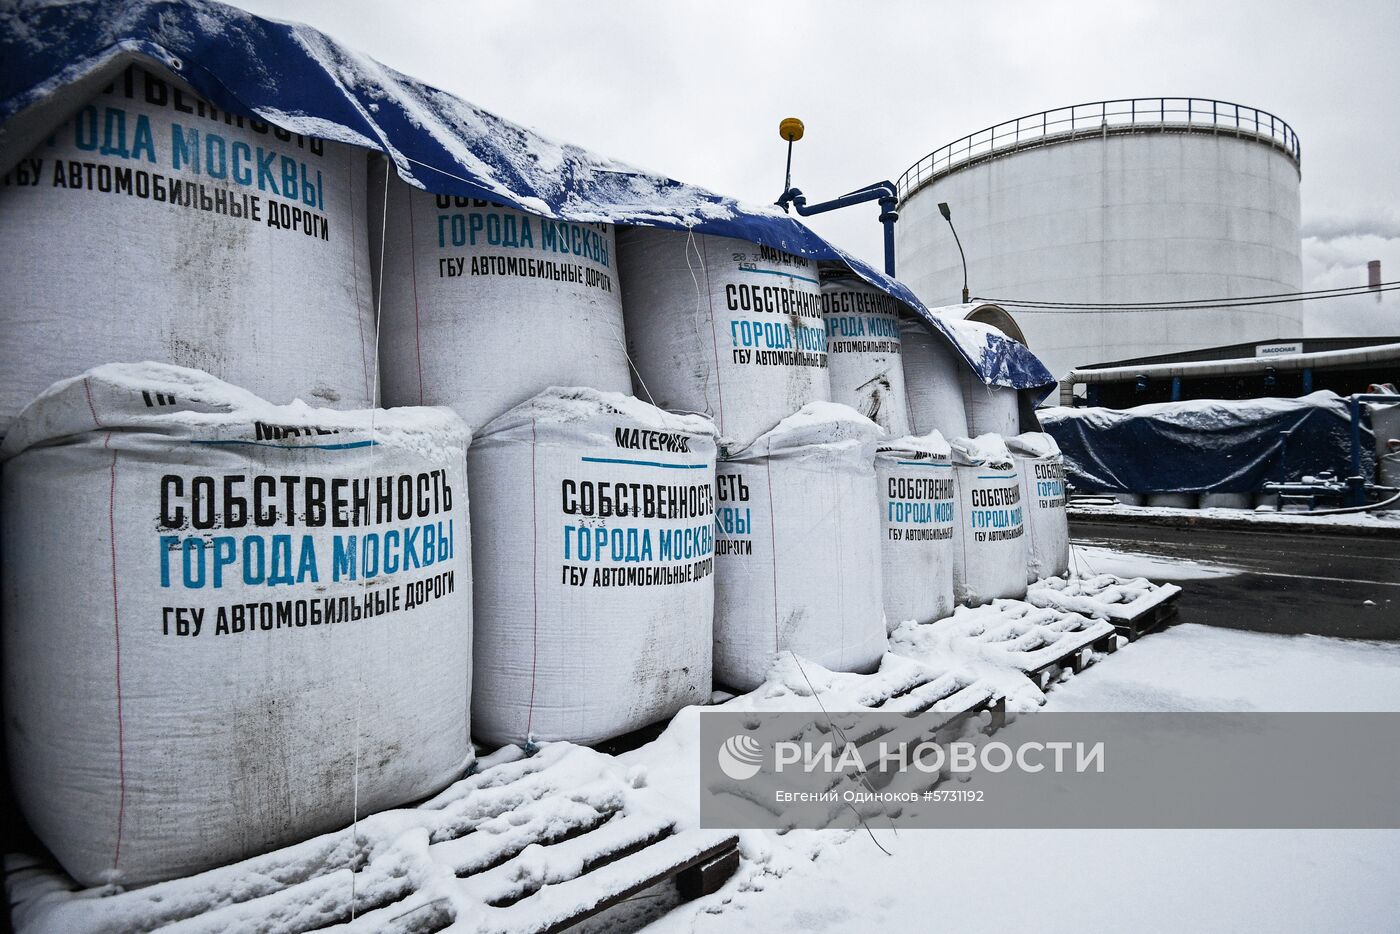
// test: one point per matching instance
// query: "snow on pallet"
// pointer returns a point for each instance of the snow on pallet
(1039, 642)
(969, 704)
(1135, 606)
(533, 843)
(899, 685)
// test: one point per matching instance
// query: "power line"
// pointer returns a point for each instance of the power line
(1199, 305)
(1192, 301)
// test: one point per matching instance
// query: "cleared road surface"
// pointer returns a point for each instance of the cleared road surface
(1330, 585)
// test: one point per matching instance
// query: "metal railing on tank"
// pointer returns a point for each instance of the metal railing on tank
(1102, 118)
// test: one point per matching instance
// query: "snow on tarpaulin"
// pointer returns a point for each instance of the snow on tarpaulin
(1216, 445)
(54, 56)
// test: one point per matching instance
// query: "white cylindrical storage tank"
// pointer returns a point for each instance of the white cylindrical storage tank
(1172, 500)
(917, 508)
(1042, 469)
(863, 350)
(723, 327)
(152, 226)
(485, 306)
(1227, 501)
(250, 595)
(594, 591)
(990, 552)
(797, 558)
(932, 381)
(1148, 200)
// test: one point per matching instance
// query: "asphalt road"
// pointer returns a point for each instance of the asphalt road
(1329, 585)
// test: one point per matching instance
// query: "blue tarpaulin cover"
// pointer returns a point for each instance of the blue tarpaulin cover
(55, 55)
(1205, 445)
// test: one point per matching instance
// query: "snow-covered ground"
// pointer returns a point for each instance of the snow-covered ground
(1000, 880)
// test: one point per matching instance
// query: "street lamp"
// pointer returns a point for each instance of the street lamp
(948, 216)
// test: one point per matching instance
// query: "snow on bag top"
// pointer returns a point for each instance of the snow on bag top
(1033, 444)
(932, 444)
(988, 450)
(283, 585)
(593, 515)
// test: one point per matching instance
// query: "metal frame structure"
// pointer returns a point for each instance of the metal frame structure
(1103, 118)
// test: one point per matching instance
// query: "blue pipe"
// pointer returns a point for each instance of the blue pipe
(883, 192)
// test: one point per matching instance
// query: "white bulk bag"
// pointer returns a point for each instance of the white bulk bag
(152, 226)
(798, 552)
(1129, 499)
(918, 504)
(932, 381)
(723, 327)
(1042, 469)
(991, 410)
(485, 306)
(220, 615)
(990, 552)
(594, 520)
(1172, 500)
(863, 350)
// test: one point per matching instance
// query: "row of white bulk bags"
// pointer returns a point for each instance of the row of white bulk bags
(152, 226)
(933, 381)
(226, 621)
(723, 327)
(1042, 470)
(593, 515)
(917, 496)
(1172, 500)
(990, 551)
(863, 349)
(797, 557)
(485, 306)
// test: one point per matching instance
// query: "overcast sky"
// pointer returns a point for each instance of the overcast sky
(695, 89)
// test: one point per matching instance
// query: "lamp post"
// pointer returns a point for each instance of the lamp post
(948, 216)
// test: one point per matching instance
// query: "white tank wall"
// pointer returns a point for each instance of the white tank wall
(1123, 218)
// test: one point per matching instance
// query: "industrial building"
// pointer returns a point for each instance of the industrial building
(1123, 201)
(1239, 371)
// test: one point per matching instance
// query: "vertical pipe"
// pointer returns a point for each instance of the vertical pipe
(1355, 482)
(1176, 388)
(1307, 381)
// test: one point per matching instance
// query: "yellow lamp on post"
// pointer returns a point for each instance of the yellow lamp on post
(790, 129)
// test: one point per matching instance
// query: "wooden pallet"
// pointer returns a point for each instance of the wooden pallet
(535, 843)
(1147, 613)
(1078, 654)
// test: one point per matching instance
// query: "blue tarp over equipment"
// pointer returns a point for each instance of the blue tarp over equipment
(55, 56)
(1205, 445)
